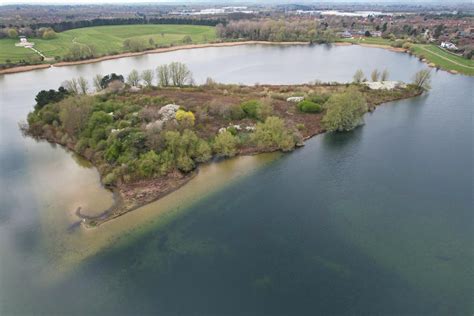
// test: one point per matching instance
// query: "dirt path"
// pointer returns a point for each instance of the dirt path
(446, 58)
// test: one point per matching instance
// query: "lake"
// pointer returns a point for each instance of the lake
(376, 221)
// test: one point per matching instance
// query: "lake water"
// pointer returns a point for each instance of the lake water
(377, 221)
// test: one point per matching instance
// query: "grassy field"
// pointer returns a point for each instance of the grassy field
(106, 39)
(434, 54)
(444, 59)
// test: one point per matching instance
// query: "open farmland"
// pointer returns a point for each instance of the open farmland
(106, 40)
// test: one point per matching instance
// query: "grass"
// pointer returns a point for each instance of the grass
(106, 39)
(444, 59)
(434, 54)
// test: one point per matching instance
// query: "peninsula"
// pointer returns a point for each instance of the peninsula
(148, 140)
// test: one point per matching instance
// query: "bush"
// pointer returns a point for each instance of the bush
(186, 117)
(309, 107)
(318, 98)
(251, 108)
(225, 144)
(344, 111)
(49, 34)
(109, 179)
(273, 134)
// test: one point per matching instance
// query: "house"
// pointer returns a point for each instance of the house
(448, 45)
(376, 34)
(24, 42)
(346, 34)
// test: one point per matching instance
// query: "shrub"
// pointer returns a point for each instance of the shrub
(309, 107)
(344, 111)
(251, 108)
(273, 134)
(148, 164)
(109, 179)
(186, 117)
(49, 34)
(225, 144)
(318, 98)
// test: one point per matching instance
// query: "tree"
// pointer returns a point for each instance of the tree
(367, 34)
(133, 78)
(49, 34)
(187, 39)
(375, 75)
(225, 144)
(107, 79)
(273, 134)
(385, 75)
(12, 33)
(359, 76)
(179, 74)
(163, 74)
(74, 114)
(50, 96)
(422, 79)
(71, 86)
(96, 82)
(149, 164)
(83, 85)
(147, 77)
(344, 111)
(134, 44)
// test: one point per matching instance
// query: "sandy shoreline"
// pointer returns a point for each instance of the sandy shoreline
(23, 68)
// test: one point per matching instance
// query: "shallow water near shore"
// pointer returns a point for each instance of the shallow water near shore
(377, 221)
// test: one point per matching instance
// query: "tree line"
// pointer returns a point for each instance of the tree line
(69, 25)
(277, 30)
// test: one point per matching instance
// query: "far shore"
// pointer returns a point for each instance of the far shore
(152, 51)
(175, 48)
(195, 46)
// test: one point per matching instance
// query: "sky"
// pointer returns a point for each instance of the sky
(220, 2)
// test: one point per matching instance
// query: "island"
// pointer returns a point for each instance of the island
(147, 140)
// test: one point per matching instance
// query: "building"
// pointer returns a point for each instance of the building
(448, 45)
(345, 34)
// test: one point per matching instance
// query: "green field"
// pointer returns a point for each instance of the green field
(434, 54)
(444, 59)
(106, 39)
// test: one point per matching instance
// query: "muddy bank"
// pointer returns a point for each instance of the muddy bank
(23, 68)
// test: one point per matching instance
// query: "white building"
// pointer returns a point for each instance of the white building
(448, 45)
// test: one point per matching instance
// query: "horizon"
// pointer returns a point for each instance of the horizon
(213, 2)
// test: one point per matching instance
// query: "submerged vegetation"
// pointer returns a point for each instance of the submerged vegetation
(146, 139)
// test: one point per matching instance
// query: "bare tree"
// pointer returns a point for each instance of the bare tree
(163, 74)
(133, 78)
(384, 76)
(422, 79)
(71, 85)
(374, 76)
(359, 76)
(83, 85)
(96, 82)
(147, 77)
(180, 74)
